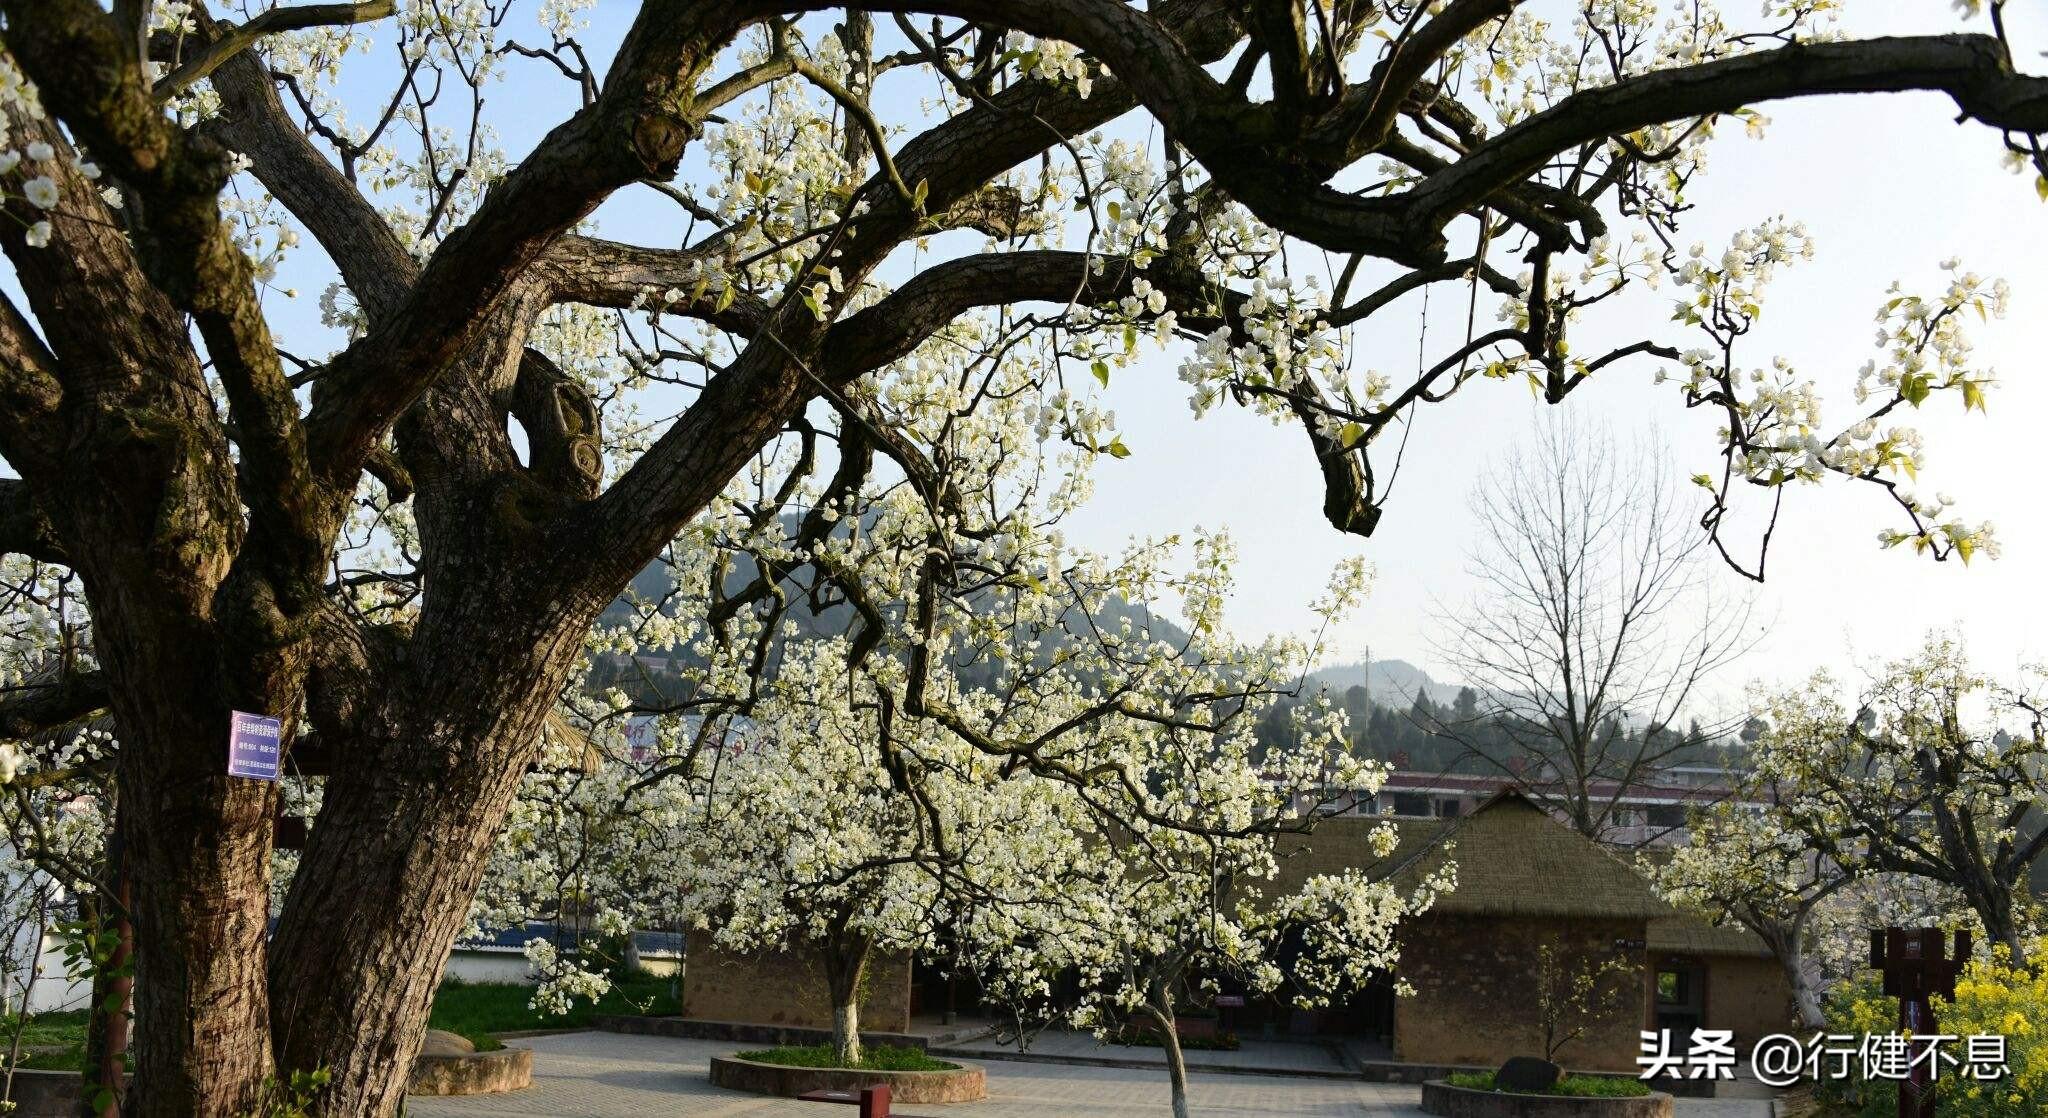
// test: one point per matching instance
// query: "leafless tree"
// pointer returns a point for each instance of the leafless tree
(1597, 624)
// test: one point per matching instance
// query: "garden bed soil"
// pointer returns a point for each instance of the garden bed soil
(1439, 1097)
(966, 1083)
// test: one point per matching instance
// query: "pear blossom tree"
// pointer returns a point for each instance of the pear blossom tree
(1935, 773)
(1744, 865)
(590, 847)
(800, 841)
(395, 531)
(1173, 913)
(989, 722)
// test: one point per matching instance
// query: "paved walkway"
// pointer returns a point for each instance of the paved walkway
(1269, 1056)
(614, 1075)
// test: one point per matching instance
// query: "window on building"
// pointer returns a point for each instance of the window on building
(1449, 808)
(1673, 987)
(1410, 803)
(1667, 815)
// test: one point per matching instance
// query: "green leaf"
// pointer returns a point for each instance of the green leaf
(1350, 433)
(1116, 212)
(2041, 187)
(1117, 449)
(754, 183)
(917, 197)
(1704, 481)
(1101, 370)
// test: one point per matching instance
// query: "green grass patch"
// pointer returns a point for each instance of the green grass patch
(872, 1058)
(480, 1010)
(1575, 1086)
(50, 1041)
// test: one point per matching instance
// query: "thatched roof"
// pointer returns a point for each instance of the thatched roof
(1345, 843)
(1689, 935)
(1513, 859)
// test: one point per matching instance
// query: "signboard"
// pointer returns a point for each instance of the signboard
(1230, 1001)
(253, 745)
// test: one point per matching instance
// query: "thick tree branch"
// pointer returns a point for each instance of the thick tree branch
(253, 121)
(234, 39)
(48, 700)
(88, 72)
(637, 129)
(601, 273)
(29, 392)
(1972, 69)
(1407, 62)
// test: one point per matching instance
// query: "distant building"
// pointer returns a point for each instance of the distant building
(500, 955)
(1646, 813)
(1524, 879)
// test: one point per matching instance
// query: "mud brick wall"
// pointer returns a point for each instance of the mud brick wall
(1750, 996)
(1474, 999)
(788, 988)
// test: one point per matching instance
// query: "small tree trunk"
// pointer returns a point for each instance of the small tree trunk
(846, 1032)
(1160, 1007)
(845, 964)
(2001, 928)
(1804, 995)
(107, 1030)
(1784, 944)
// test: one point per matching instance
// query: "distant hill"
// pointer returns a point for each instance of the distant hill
(1393, 683)
(649, 671)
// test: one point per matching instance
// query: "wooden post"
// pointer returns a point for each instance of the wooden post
(874, 1101)
(1915, 972)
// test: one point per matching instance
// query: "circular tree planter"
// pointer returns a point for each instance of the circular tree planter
(1439, 1097)
(451, 1065)
(966, 1083)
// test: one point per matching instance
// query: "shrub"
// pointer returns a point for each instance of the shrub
(1992, 996)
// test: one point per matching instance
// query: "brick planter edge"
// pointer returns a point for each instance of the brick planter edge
(966, 1083)
(1439, 1097)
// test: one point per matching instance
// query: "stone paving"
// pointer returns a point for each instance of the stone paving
(612, 1075)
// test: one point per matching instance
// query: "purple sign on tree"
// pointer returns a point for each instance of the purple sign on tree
(252, 745)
